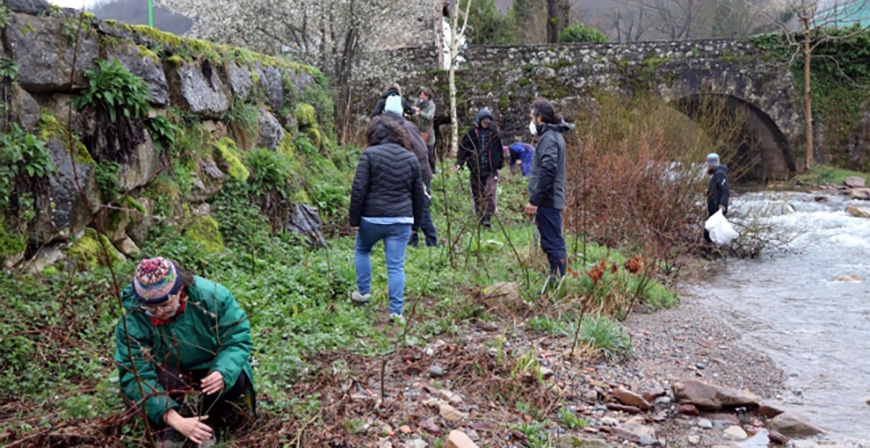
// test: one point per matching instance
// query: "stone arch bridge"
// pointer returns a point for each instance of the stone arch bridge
(684, 73)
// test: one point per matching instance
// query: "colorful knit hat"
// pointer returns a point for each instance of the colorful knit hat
(155, 280)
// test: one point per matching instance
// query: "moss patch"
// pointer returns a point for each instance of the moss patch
(286, 146)
(11, 243)
(229, 152)
(206, 232)
(50, 128)
(146, 52)
(87, 252)
(306, 115)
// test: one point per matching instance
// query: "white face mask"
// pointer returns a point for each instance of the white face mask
(533, 128)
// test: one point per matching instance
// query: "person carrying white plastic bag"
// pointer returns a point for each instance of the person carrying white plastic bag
(719, 229)
(718, 192)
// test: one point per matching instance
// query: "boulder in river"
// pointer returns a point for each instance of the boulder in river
(860, 194)
(793, 425)
(855, 182)
(858, 212)
(849, 278)
(708, 397)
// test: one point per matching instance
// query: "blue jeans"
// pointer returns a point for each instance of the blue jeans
(395, 238)
(427, 226)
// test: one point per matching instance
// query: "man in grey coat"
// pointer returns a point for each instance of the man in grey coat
(547, 183)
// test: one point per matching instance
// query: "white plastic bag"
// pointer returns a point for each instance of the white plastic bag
(721, 231)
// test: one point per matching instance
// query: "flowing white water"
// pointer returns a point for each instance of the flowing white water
(789, 305)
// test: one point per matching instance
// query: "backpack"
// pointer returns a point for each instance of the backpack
(394, 104)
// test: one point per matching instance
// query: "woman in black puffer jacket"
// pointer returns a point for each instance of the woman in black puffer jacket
(386, 203)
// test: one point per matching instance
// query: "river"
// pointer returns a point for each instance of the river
(789, 305)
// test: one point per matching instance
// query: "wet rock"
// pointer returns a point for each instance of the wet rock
(69, 215)
(849, 278)
(736, 433)
(759, 440)
(127, 247)
(271, 132)
(770, 410)
(139, 170)
(270, 81)
(482, 427)
(428, 424)
(854, 182)
(654, 394)
(590, 396)
(32, 7)
(630, 398)
(635, 431)
(861, 194)
(450, 413)
(147, 68)
(688, 409)
(458, 439)
(199, 89)
(436, 371)
(858, 212)
(416, 443)
(569, 441)
(451, 397)
(705, 424)
(663, 400)
(694, 440)
(609, 421)
(621, 407)
(777, 438)
(45, 257)
(730, 419)
(23, 109)
(11, 260)
(240, 80)
(45, 55)
(712, 398)
(794, 426)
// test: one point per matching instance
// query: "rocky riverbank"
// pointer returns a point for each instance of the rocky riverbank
(690, 382)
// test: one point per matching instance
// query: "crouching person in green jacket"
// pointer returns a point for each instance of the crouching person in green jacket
(182, 335)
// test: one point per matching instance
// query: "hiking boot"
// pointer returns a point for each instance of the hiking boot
(487, 222)
(397, 319)
(360, 299)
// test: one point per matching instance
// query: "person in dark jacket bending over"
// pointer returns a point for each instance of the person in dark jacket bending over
(418, 147)
(181, 333)
(717, 189)
(547, 183)
(481, 149)
(392, 95)
(386, 203)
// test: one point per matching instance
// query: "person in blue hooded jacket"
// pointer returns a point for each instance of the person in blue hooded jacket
(481, 150)
(522, 152)
(547, 184)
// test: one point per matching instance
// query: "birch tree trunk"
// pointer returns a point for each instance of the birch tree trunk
(808, 90)
(451, 76)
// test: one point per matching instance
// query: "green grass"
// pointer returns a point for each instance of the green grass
(297, 300)
(824, 174)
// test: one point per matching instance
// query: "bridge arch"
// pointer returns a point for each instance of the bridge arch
(763, 152)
